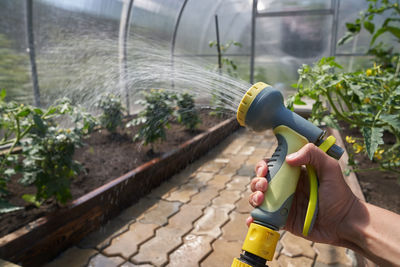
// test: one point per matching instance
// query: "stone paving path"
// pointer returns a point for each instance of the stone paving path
(197, 218)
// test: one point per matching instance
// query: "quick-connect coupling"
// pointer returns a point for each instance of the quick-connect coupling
(258, 247)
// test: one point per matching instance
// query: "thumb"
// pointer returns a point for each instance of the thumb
(311, 155)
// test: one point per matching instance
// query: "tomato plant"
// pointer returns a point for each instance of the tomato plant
(187, 113)
(47, 148)
(368, 100)
(155, 118)
(112, 112)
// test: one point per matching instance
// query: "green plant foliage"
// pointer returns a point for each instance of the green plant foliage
(368, 100)
(386, 55)
(48, 163)
(47, 148)
(227, 64)
(112, 114)
(155, 118)
(187, 113)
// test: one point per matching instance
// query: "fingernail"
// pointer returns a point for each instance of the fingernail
(259, 172)
(292, 156)
(259, 186)
(257, 198)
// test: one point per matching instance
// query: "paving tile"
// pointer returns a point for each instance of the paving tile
(205, 196)
(246, 170)
(135, 211)
(286, 261)
(328, 254)
(226, 199)
(169, 237)
(210, 223)
(184, 193)
(221, 160)
(243, 205)
(253, 160)
(201, 179)
(163, 191)
(247, 150)
(212, 166)
(235, 146)
(191, 252)
(73, 257)
(182, 177)
(160, 212)
(101, 238)
(238, 183)
(102, 261)
(156, 250)
(127, 243)
(185, 217)
(234, 164)
(130, 264)
(319, 264)
(223, 253)
(294, 246)
(236, 228)
(219, 181)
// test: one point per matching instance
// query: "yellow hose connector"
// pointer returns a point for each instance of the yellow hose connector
(247, 100)
(261, 241)
(237, 263)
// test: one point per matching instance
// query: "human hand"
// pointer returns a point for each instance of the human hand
(335, 197)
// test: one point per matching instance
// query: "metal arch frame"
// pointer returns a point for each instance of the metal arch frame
(122, 48)
(173, 42)
(32, 56)
(178, 21)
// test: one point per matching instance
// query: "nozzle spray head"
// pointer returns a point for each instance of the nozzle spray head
(262, 108)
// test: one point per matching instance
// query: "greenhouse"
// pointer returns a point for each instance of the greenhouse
(157, 132)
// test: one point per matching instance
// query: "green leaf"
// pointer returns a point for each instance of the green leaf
(298, 101)
(25, 112)
(369, 26)
(39, 123)
(392, 120)
(9, 172)
(377, 34)
(3, 94)
(331, 122)
(372, 138)
(31, 199)
(395, 31)
(38, 111)
(353, 27)
(347, 37)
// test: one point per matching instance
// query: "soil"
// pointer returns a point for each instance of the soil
(379, 188)
(104, 156)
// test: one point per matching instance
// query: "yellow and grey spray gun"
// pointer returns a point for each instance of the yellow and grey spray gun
(262, 108)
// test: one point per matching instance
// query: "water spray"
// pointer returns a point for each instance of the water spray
(262, 108)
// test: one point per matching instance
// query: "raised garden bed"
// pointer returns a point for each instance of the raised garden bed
(58, 229)
(378, 187)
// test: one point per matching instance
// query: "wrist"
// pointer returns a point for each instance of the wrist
(371, 231)
(351, 231)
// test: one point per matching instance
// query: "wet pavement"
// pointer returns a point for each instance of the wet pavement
(197, 218)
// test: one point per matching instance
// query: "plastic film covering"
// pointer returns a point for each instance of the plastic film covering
(77, 48)
(87, 47)
(14, 59)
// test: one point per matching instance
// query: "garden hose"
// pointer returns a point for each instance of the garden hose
(262, 108)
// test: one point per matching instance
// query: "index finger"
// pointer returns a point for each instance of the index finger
(261, 168)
